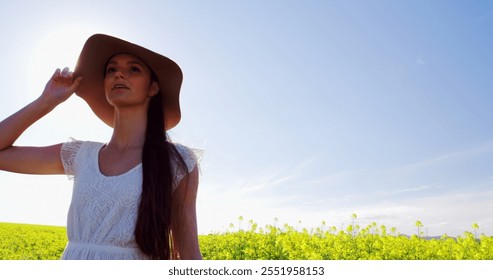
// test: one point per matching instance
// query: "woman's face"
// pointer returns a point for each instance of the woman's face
(127, 81)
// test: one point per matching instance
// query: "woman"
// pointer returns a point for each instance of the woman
(133, 197)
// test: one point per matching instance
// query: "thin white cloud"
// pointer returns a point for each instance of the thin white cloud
(337, 178)
(482, 149)
(407, 190)
(416, 189)
(257, 184)
(450, 214)
(291, 195)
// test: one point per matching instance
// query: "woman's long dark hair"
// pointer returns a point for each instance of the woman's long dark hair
(153, 228)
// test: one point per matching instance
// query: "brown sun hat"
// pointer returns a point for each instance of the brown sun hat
(98, 49)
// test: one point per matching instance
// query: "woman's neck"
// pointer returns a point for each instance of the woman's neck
(129, 129)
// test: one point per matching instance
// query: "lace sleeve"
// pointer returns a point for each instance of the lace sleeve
(67, 153)
(190, 156)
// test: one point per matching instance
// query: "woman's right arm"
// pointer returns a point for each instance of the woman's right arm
(35, 160)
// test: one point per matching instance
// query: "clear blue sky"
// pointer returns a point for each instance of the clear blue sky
(307, 110)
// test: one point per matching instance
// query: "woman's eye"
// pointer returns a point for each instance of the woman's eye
(135, 69)
(110, 70)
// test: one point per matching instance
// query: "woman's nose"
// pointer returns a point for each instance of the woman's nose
(119, 75)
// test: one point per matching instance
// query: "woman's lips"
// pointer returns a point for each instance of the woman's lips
(120, 86)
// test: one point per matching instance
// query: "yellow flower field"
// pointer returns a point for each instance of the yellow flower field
(373, 242)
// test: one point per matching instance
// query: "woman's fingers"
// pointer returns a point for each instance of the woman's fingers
(75, 84)
(57, 72)
(65, 72)
(65, 76)
(61, 86)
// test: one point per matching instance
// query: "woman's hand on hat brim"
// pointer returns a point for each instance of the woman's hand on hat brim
(60, 87)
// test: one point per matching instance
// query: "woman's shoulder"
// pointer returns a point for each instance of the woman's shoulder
(73, 147)
(75, 144)
(191, 156)
(73, 151)
(182, 149)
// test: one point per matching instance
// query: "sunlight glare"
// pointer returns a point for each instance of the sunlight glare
(57, 49)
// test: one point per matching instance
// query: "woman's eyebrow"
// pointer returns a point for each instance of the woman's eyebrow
(135, 62)
(128, 62)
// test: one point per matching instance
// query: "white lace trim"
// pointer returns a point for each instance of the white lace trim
(190, 156)
(68, 153)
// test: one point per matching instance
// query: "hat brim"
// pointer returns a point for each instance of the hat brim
(96, 52)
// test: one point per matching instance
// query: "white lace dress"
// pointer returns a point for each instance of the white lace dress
(103, 212)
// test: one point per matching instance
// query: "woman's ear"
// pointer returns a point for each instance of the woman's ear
(154, 89)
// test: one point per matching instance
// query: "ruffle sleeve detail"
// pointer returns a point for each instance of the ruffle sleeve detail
(190, 156)
(68, 154)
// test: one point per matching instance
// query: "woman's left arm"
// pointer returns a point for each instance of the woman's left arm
(184, 218)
